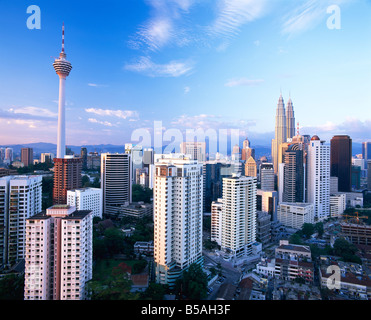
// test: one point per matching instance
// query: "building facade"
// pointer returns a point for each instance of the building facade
(59, 251)
(20, 198)
(178, 211)
(87, 199)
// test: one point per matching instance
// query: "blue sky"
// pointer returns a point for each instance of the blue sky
(191, 64)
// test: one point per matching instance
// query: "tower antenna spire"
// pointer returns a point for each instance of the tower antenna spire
(63, 37)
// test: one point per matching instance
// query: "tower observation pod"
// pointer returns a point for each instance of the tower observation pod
(62, 67)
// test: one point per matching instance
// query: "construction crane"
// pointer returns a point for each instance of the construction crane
(356, 217)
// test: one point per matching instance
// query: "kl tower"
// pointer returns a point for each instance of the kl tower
(67, 169)
(62, 67)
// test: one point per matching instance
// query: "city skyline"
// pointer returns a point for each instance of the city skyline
(186, 63)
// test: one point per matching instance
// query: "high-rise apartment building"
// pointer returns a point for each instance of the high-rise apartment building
(178, 213)
(59, 251)
(116, 181)
(318, 191)
(46, 157)
(87, 199)
(341, 161)
(20, 198)
(267, 201)
(67, 176)
(216, 217)
(27, 156)
(238, 223)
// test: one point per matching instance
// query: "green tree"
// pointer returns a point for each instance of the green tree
(318, 227)
(139, 266)
(193, 283)
(113, 240)
(307, 229)
(12, 287)
(117, 286)
(296, 239)
(155, 291)
(346, 250)
(140, 193)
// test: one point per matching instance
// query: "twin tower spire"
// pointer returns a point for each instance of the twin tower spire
(284, 128)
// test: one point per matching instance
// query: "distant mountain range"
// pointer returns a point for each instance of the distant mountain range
(43, 147)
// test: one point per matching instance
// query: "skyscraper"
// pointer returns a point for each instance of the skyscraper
(318, 163)
(266, 173)
(293, 180)
(341, 161)
(247, 151)
(280, 135)
(238, 223)
(290, 120)
(27, 156)
(177, 216)
(197, 150)
(116, 181)
(250, 167)
(59, 254)
(20, 198)
(366, 152)
(84, 157)
(67, 169)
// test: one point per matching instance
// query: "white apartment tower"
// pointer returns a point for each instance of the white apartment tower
(116, 181)
(86, 199)
(59, 251)
(178, 213)
(238, 221)
(318, 189)
(216, 217)
(20, 198)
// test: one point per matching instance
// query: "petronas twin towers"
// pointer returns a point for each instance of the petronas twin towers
(284, 128)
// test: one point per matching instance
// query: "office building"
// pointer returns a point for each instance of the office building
(20, 198)
(251, 168)
(8, 158)
(366, 151)
(266, 174)
(293, 176)
(84, 157)
(290, 120)
(27, 156)
(59, 251)
(294, 215)
(46, 157)
(239, 215)
(341, 161)
(267, 201)
(280, 135)
(318, 163)
(177, 216)
(247, 151)
(196, 150)
(87, 199)
(116, 181)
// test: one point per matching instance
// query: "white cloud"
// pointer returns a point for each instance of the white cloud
(33, 111)
(187, 89)
(96, 85)
(233, 14)
(105, 123)
(171, 69)
(243, 82)
(123, 114)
